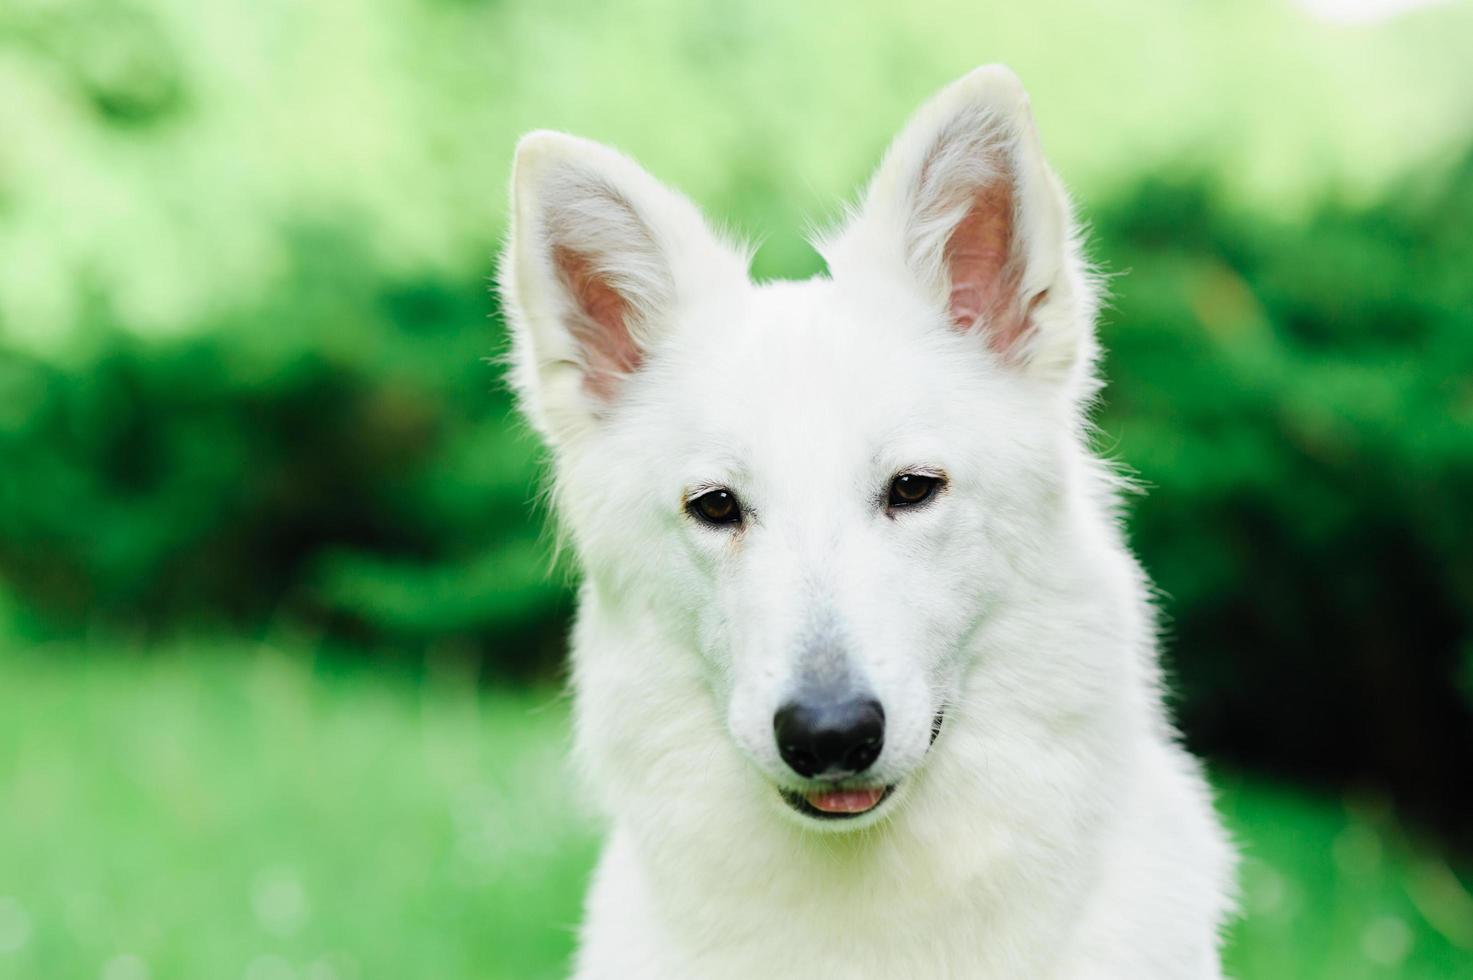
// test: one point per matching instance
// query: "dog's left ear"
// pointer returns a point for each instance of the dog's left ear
(965, 208)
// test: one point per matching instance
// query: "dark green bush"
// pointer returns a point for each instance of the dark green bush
(1298, 398)
(342, 458)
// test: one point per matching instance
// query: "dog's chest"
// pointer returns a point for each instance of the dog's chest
(773, 925)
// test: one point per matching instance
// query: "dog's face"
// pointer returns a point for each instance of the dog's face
(819, 488)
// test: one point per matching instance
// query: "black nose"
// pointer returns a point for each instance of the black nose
(833, 738)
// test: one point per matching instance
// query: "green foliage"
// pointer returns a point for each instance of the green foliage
(154, 150)
(245, 811)
(244, 324)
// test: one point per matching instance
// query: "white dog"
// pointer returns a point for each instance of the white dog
(866, 678)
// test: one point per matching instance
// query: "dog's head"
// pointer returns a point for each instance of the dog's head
(819, 489)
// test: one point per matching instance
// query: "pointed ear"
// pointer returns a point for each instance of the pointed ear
(965, 208)
(601, 261)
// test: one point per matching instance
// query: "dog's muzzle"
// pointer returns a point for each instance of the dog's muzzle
(845, 800)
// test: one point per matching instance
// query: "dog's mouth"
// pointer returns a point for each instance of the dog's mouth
(837, 804)
(846, 802)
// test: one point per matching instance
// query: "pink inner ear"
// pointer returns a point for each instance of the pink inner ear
(984, 269)
(600, 322)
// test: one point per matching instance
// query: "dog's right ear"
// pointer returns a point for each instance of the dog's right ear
(965, 208)
(601, 261)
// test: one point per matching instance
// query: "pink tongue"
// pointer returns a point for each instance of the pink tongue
(844, 800)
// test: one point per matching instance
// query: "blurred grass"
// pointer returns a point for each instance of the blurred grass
(269, 813)
(242, 812)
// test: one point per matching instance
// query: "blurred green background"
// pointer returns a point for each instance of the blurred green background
(280, 629)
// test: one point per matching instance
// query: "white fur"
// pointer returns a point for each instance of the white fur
(1055, 828)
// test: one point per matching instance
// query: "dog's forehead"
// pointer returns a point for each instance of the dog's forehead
(811, 345)
(809, 371)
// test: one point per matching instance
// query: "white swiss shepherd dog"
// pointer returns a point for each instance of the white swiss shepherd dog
(865, 676)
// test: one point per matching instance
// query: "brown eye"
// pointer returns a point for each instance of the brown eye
(717, 506)
(910, 489)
